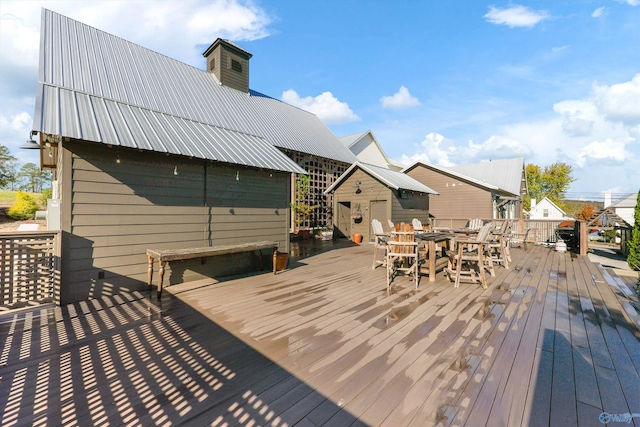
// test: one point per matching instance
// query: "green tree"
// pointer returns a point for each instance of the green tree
(7, 167)
(634, 244)
(33, 179)
(553, 182)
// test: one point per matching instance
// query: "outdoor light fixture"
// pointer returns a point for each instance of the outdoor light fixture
(357, 186)
(175, 170)
(117, 158)
(31, 144)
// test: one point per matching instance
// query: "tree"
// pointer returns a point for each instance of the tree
(586, 212)
(33, 179)
(7, 166)
(553, 182)
(634, 244)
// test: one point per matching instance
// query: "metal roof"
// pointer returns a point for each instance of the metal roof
(86, 64)
(92, 118)
(450, 172)
(504, 174)
(629, 201)
(390, 178)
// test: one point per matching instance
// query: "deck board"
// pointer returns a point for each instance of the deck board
(552, 341)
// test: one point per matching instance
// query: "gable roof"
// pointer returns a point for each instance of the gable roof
(447, 171)
(553, 205)
(390, 178)
(505, 174)
(628, 202)
(366, 155)
(99, 87)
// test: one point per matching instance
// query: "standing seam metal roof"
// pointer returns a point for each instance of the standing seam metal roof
(389, 177)
(83, 61)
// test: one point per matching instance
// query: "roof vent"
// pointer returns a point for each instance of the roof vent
(229, 63)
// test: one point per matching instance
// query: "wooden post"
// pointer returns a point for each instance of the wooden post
(149, 270)
(584, 239)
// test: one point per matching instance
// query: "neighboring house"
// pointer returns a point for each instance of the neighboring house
(148, 152)
(485, 190)
(365, 192)
(625, 208)
(546, 209)
(367, 149)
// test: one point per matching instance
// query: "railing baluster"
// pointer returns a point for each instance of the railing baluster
(27, 268)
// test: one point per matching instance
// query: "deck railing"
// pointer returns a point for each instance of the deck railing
(29, 268)
(540, 230)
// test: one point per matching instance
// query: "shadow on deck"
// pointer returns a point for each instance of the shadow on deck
(553, 341)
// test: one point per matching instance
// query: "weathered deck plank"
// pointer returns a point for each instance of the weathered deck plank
(325, 343)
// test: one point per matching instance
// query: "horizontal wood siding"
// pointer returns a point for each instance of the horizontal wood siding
(398, 209)
(116, 211)
(232, 78)
(371, 189)
(405, 209)
(457, 199)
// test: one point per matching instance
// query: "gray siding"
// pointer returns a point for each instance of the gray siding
(398, 209)
(113, 212)
(457, 199)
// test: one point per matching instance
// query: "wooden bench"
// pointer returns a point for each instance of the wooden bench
(167, 255)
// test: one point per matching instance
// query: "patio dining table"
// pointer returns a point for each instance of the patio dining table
(432, 238)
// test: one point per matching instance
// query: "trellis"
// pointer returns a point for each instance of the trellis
(323, 173)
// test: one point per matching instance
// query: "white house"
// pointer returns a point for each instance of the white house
(625, 208)
(366, 148)
(546, 209)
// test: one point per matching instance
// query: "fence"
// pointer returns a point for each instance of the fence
(29, 268)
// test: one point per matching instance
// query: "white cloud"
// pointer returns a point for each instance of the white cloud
(400, 99)
(500, 147)
(598, 12)
(608, 149)
(630, 2)
(619, 102)
(326, 106)
(515, 16)
(435, 149)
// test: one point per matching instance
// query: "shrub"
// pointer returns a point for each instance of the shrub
(25, 207)
(44, 196)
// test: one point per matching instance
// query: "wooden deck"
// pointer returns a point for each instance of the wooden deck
(555, 340)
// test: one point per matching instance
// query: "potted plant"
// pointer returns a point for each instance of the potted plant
(324, 233)
(301, 208)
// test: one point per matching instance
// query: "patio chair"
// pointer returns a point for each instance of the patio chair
(380, 239)
(417, 225)
(498, 247)
(475, 224)
(469, 262)
(392, 226)
(402, 255)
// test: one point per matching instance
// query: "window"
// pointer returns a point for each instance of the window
(236, 65)
(545, 213)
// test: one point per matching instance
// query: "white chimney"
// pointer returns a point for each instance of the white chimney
(607, 198)
(533, 203)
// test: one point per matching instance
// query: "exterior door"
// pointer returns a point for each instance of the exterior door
(344, 219)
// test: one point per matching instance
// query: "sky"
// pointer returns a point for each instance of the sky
(444, 82)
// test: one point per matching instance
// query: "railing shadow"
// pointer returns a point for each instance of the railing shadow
(133, 359)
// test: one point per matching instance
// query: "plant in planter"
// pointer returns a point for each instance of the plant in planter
(300, 207)
(324, 233)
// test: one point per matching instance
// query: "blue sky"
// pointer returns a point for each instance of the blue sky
(447, 82)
